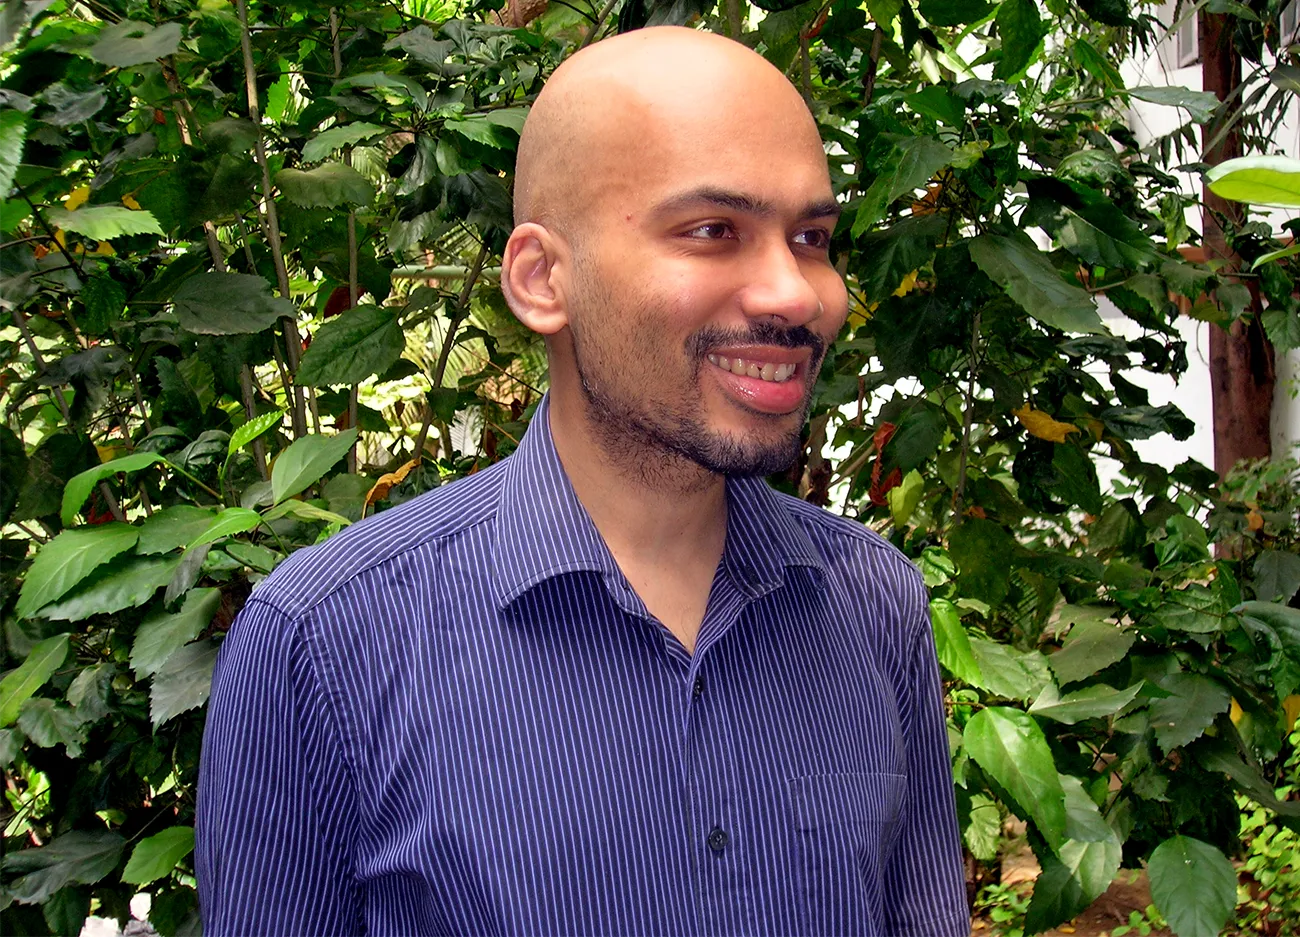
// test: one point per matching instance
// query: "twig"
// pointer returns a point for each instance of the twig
(968, 416)
(873, 62)
(76, 267)
(21, 321)
(600, 22)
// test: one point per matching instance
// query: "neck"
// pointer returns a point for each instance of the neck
(651, 507)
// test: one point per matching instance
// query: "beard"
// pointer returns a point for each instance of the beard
(647, 408)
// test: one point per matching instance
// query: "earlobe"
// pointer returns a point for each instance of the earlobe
(529, 278)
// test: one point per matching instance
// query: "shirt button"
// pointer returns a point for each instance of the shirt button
(698, 689)
(717, 839)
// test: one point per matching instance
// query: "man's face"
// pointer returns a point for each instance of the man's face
(703, 296)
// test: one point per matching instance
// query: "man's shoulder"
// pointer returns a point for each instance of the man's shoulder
(313, 573)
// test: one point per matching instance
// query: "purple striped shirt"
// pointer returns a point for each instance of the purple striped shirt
(457, 717)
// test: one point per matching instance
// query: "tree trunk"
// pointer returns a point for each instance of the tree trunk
(1241, 358)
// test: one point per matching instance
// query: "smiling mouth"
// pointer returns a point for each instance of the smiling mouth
(770, 371)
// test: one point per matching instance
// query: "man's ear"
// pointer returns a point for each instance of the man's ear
(531, 278)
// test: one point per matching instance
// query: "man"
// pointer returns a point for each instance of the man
(613, 684)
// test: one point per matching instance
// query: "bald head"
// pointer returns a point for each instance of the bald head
(620, 109)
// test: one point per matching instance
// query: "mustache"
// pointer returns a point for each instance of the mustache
(758, 333)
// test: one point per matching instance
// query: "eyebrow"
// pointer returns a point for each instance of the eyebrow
(740, 202)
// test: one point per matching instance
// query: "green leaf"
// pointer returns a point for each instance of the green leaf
(73, 857)
(912, 163)
(1282, 326)
(163, 633)
(327, 186)
(1100, 67)
(73, 107)
(1260, 180)
(1199, 105)
(13, 132)
(29, 676)
(1008, 672)
(172, 528)
(983, 551)
(305, 512)
(103, 222)
(477, 128)
(1030, 279)
(349, 348)
(126, 582)
(90, 692)
(183, 683)
(228, 304)
(954, 12)
(335, 138)
(936, 103)
(128, 43)
(1087, 223)
(1278, 254)
(1279, 621)
(229, 522)
(255, 427)
(1091, 646)
(67, 560)
(80, 486)
(1011, 748)
(1071, 881)
(1195, 609)
(953, 644)
(1188, 711)
(48, 724)
(105, 300)
(306, 460)
(1185, 542)
(1089, 703)
(1022, 30)
(158, 855)
(983, 834)
(1193, 885)
(904, 497)
(896, 251)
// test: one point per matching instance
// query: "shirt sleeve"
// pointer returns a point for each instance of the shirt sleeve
(926, 875)
(275, 807)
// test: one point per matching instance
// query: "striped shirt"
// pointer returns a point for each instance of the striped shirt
(457, 717)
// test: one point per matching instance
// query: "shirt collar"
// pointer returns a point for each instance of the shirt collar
(543, 531)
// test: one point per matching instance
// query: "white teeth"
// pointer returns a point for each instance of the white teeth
(760, 370)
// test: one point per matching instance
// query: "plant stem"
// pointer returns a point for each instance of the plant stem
(600, 22)
(354, 292)
(967, 416)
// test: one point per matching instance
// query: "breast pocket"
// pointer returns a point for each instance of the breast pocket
(844, 825)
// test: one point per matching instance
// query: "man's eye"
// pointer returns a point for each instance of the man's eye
(713, 231)
(818, 238)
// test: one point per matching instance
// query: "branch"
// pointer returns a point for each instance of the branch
(967, 417)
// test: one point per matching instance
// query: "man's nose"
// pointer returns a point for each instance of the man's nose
(777, 287)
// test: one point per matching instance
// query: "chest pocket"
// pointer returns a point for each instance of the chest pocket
(844, 828)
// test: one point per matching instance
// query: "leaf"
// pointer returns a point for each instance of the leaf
(1260, 180)
(1188, 711)
(351, 347)
(904, 497)
(47, 724)
(183, 683)
(477, 128)
(1289, 251)
(1193, 885)
(126, 582)
(73, 857)
(306, 460)
(72, 107)
(1071, 881)
(954, 12)
(29, 676)
(1043, 426)
(1089, 703)
(90, 692)
(172, 528)
(953, 644)
(229, 522)
(1008, 672)
(1091, 646)
(1087, 223)
(1031, 280)
(983, 551)
(229, 304)
(128, 43)
(896, 251)
(912, 163)
(1145, 422)
(163, 633)
(1199, 105)
(68, 559)
(13, 132)
(104, 222)
(327, 186)
(1185, 542)
(1022, 30)
(327, 141)
(105, 299)
(158, 855)
(252, 429)
(305, 512)
(80, 486)
(1279, 621)
(1011, 748)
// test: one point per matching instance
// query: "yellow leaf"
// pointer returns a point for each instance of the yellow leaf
(1043, 426)
(908, 284)
(104, 249)
(1234, 712)
(380, 489)
(77, 197)
(60, 238)
(1291, 707)
(130, 203)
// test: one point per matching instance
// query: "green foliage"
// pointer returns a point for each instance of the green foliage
(220, 354)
